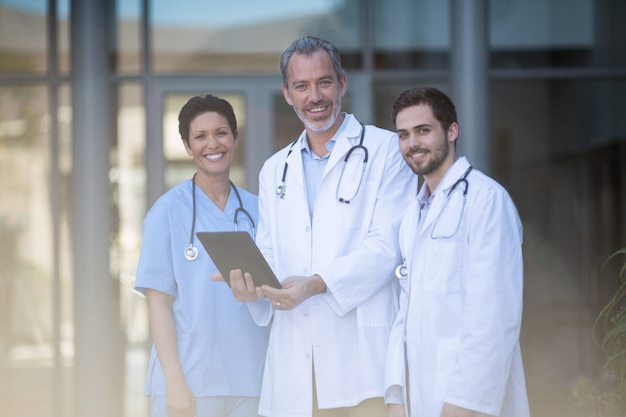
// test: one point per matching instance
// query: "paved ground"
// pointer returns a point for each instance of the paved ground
(35, 389)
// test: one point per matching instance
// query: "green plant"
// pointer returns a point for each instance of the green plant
(606, 396)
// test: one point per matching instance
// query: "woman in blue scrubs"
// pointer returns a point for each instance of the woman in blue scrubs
(208, 354)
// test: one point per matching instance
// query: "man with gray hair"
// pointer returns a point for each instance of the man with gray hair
(330, 205)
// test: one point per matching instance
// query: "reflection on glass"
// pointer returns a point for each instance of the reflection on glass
(288, 126)
(128, 25)
(128, 177)
(23, 28)
(244, 36)
(63, 36)
(66, 325)
(179, 166)
(410, 34)
(27, 246)
(523, 33)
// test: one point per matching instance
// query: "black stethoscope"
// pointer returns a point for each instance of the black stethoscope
(282, 187)
(191, 252)
(401, 270)
(451, 232)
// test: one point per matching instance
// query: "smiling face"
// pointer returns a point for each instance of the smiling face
(427, 149)
(314, 90)
(212, 144)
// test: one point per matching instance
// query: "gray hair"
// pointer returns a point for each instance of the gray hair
(308, 45)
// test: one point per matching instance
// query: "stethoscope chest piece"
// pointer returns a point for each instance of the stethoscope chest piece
(191, 253)
(280, 191)
(401, 271)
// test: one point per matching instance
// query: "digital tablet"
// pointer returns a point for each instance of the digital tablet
(237, 250)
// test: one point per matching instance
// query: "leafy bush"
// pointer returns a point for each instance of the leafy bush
(606, 396)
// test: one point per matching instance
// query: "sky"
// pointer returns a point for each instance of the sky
(216, 13)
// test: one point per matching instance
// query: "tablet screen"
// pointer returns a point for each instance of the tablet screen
(237, 250)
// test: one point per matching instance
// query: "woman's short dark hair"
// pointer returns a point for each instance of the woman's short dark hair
(202, 104)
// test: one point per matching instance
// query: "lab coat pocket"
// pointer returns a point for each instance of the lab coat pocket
(445, 362)
(444, 265)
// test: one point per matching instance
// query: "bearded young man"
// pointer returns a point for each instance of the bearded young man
(454, 350)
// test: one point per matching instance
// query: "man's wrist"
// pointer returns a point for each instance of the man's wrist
(320, 285)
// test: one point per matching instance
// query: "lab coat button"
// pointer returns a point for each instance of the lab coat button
(306, 314)
(308, 355)
(307, 229)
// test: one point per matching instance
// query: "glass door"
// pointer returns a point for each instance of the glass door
(252, 99)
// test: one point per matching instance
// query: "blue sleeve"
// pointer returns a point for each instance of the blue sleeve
(155, 269)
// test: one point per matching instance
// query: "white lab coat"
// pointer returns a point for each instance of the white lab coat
(461, 305)
(354, 248)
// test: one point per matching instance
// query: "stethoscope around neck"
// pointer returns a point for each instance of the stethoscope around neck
(401, 271)
(191, 252)
(282, 187)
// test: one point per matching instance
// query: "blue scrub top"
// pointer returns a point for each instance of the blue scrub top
(221, 350)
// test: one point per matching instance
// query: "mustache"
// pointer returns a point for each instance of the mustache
(320, 103)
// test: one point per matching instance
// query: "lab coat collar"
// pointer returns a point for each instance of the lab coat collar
(294, 159)
(455, 172)
(440, 194)
(349, 137)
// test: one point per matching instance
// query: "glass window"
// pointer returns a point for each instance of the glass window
(533, 33)
(523, 33)
(245, 36)
(27, 246)
(23, 31)
(128, 178)
(411, 34)
(558, 147)
(66, 292)
(128, 46)
(63, 35)
(288, 126)
(564, 176)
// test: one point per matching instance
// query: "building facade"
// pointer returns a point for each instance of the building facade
(89, 98)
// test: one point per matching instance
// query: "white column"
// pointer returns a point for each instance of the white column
(470, 79)
(98, 364)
